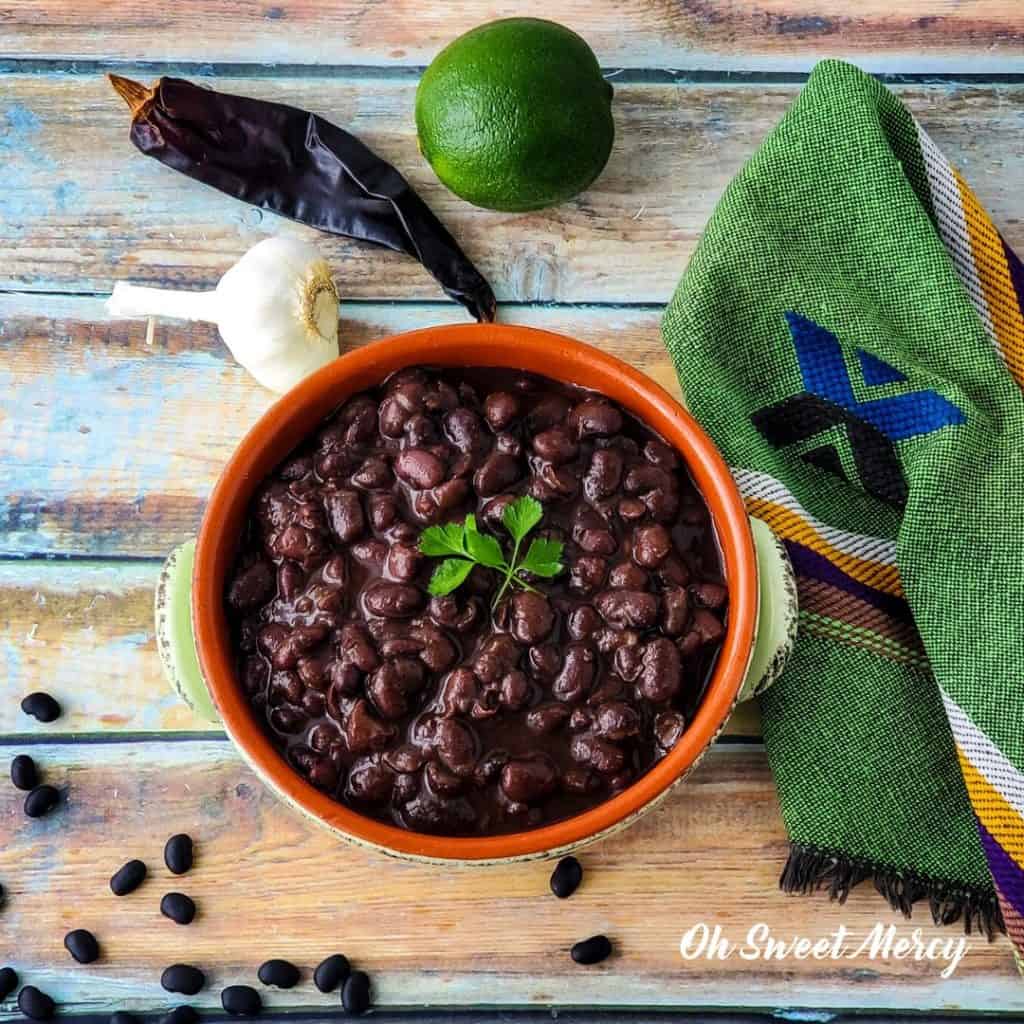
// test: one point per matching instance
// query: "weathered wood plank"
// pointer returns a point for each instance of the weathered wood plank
(269, 883)
(82, 208)
(489, 1015)
(110, 447)
(84, 632)
(941, 35)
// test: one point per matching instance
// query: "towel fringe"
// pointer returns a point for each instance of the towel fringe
(810, 868)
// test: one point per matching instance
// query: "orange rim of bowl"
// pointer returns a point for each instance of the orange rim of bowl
(296, 414)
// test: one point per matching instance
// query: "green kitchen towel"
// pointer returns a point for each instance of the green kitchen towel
(850, 332)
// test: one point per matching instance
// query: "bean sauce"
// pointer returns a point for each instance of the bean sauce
(445, 714)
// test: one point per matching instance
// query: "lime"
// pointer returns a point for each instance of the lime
(514, 115)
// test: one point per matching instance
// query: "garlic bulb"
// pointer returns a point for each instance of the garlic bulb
(276, 309)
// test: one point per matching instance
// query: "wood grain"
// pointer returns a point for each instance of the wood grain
(268, 883)
(110, 447)
(84, 632)
(82, 208)
(936, 35)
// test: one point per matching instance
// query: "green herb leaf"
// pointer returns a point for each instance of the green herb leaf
(471, 547)
(544, 557)
(451, 573)
(443, 540)
(482, 546)
(521, 516)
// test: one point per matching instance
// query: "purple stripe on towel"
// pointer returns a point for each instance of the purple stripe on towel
(809, 563)
(1016, 273)
(1008, 875)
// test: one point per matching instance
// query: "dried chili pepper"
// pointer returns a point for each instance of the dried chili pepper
(300, 166)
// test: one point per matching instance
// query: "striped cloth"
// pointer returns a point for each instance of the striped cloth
(988, 268)
(851, 333)
(993, 278)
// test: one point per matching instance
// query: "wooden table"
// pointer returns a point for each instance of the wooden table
(109, 447)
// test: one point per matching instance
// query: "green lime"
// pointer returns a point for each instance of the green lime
(514, 115)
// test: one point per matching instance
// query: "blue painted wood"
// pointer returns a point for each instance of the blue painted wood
(944, 36)
(82, 208)
(109, 446)
(575, 1016)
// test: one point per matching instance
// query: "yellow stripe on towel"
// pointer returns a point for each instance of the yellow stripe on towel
(790, 526)
(994, 277)
(1001, 821)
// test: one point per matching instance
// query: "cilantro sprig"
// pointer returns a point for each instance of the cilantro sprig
(462, 546)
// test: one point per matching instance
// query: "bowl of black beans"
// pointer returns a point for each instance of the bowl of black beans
(474, 593)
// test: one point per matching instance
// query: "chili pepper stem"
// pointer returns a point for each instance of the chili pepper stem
(130, 300)
(133, 93)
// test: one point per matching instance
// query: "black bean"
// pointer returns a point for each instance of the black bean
(331, 972)
(592, 950)
(23, 772)
(41, 706)
(392, 600)
(178, 907)
(566, 877)
(529, 779)
(34, 1004)
(419, 468)
(501, 409)
(279, 973)
(355, 996)
(241, 1001)
(41, 801)
(180, 1015)
(178, 854)
(123, 1017)
(128, 878)
(82, 945)
(183, 978)
(8, 981)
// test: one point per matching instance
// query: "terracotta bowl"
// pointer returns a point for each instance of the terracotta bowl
(291, 419)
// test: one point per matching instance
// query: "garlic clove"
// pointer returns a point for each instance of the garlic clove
(283, 303)
(276, 309)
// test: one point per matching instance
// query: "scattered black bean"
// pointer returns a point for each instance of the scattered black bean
(355, 996)
(180, 1015)
(241, 1001)
(1, 895)
(183, 978)
(82, 945)
(331, 972)
(41, 706)
(41, 801)
(8, 981)
(178, 854)
(178, 907)
(23, 772)
(34, 1004)
(123, 1017)
(128, 878)
(279, 973)
(592, 950)
(566, 877)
